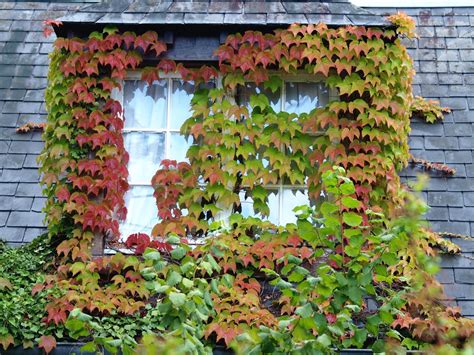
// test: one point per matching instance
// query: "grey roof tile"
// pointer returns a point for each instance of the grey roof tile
(149, 6)
(446, 276)
(195, 11)
(203, 18)
(189, 7)
(8, 189)
(12, 234)
(82, 17)
(17, 15)
(373, 20)
(286, 18)
(258, 7)
(107, 7)
(19, 175)
(32, 233)
(251, 19)
(464, 276)
(26, 147)
(26, 189)
(338, 20)
(3, 218)
(225, 7)
(12, 161)
(122, 18)
(161, 17)
(306, 7)
(25, 219)
(16, 203)
(38, 204)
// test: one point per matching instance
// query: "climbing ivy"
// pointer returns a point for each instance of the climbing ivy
(351, 272)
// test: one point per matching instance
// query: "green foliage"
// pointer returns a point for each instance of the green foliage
(21, 312)
(180, 306)
(330, 301)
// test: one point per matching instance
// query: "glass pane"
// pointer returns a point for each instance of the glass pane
(273, 204)
(244, 93)
(304, 97)
(291, 199)
(145, 105)
(246, 205)
(179, 147)
(180, 103)
(142, 212)
(146, 150)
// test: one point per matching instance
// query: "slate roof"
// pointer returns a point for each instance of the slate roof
(444, 60)
(339, 12)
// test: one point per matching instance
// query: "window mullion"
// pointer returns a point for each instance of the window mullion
(283, 96)
(168, 117)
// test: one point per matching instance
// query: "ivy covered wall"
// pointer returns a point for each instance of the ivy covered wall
(443, 64)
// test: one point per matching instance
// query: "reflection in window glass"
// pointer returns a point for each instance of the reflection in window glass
(153, 116)
(304, 97)
(286, 197)
(146, 151)
(292, 198)
(180, 103)
(142, 211)
(244, 93)
(145, 105)
(179, 147)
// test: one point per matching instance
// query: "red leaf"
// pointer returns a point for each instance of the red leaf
(158, 47)
(331, 318)
(48, 24)
(47, 343)
(166, 65)
(62, 194)
(37, 288)
(150, 75)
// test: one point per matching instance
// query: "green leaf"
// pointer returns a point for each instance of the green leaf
(304, 311)
(259, 100)
(187, 282)
(352, 219)
(355, 294)
(177, 298)
(5, 284)
(378, 347)
(178, 253)
(298, 274)
(350, 202)
(389, 258)
(347, 188)
(324, 340)
(151, 254)
(273, 83)
(174, 278)
(328, 208)
(360, 335)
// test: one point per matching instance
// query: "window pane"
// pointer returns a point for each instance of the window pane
(273, 204)
(244, 93)
(146, 150)
(178, 147)
(304, 97)
(180, 103)
(291, 199)
(142, 212)
(145, 105)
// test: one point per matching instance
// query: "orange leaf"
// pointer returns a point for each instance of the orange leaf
(47, 343)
